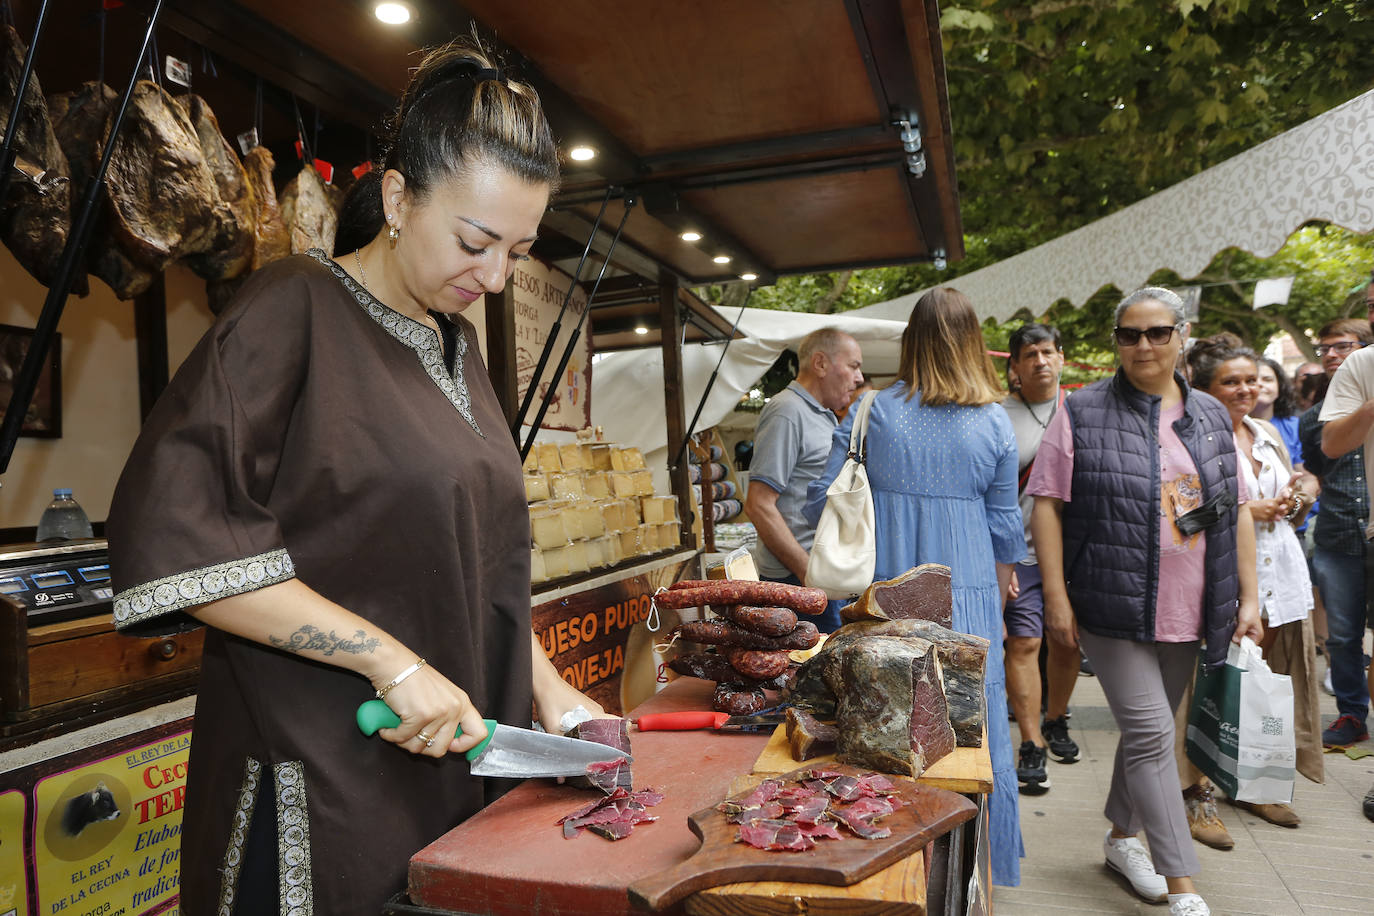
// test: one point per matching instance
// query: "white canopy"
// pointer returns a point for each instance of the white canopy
(627, 386)
(1320, 170)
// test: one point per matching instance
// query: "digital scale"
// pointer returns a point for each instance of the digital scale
(61, 580)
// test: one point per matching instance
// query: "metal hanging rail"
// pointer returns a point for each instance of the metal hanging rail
(27, 380)
(576, 334)
(8, 154)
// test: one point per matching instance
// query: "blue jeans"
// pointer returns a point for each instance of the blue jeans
(1341, 580)
(828, 622)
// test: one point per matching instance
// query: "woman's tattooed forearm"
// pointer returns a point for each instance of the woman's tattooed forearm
(312, 639)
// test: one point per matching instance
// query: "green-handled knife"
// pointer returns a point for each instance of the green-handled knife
(510, 752)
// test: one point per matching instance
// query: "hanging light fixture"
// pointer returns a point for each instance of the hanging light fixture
(581, 153)
(393, 13)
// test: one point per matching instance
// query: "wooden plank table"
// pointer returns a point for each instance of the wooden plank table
(511, 859)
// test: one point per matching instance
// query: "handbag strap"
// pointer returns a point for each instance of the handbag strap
(859, 433)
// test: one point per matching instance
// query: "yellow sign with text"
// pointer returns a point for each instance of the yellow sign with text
(107, 834)
(14, 885)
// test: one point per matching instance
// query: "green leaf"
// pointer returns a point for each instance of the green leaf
(969, 20)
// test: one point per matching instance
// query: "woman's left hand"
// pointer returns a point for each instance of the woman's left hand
(1272, 509)
(554, 698)
(1248, 623)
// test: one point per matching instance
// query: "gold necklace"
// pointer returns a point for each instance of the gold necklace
(359, 261)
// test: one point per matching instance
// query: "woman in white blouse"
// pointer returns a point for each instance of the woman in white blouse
(1279, 499)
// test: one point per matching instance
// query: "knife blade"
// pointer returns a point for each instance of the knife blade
(691, 719)
(511, 752)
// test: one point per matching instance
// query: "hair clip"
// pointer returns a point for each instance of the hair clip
(489, 73)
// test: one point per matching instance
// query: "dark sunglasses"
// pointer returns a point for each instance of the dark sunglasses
(1129, 337)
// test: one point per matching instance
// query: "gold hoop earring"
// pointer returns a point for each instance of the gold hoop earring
(393, 235)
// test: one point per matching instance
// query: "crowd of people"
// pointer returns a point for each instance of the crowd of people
(1128, 529)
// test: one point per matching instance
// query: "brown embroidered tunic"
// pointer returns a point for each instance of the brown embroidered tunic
(316, 433)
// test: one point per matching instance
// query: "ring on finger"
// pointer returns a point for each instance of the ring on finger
(427, 739)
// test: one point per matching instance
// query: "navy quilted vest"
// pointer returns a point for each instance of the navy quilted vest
(1111, 526)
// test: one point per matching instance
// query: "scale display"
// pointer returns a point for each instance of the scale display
(61, 585)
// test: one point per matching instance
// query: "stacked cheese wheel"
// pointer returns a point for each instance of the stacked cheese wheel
(751, 639)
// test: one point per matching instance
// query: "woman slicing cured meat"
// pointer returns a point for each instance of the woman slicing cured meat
(329, 484)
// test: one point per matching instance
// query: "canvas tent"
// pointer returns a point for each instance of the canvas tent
(1320, 170)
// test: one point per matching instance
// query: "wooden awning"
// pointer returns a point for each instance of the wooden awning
(769, 127)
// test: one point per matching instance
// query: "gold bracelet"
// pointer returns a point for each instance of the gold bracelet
(396, 681)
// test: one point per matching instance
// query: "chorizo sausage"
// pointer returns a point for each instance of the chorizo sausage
(759, 664)
(699, 593)
(724, 633)
(737, 699)
(765, 621)
(712, 667)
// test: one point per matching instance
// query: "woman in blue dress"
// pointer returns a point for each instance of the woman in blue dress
(942, 469)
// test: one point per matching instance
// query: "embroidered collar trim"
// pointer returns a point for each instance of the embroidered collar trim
(422, 339)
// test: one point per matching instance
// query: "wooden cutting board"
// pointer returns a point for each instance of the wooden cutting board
(927, 813)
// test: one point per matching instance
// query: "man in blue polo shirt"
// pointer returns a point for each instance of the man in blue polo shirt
(791, 446)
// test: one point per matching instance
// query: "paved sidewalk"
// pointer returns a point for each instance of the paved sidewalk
(1324, 866)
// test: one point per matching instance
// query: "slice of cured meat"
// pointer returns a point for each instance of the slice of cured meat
(922, 593)
(616, 773)
(271, 240)
(231, 249)
(164, 205)
(899, 722)
(614, 816)
(307, 210)
(776, 835)
(37, 216)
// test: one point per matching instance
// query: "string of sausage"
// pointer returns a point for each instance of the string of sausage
(699, 593)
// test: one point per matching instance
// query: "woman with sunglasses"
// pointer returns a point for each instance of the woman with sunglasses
(1146, 548)
(1233, 374)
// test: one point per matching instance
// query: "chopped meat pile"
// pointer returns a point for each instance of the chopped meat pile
(614, 816)
(783, 816)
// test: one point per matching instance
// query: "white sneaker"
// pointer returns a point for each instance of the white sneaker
(1188, 905)
(1326, 683)
(1129, 857)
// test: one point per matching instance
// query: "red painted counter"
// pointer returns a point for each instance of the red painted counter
(512, 860)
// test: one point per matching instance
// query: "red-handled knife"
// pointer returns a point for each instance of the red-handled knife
(690, 719)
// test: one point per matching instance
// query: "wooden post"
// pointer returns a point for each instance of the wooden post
(670, 330)
(501, 369)
(150, 329)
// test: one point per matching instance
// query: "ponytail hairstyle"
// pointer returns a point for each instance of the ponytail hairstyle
(944, 355)
(1208, 353)
(459, 109)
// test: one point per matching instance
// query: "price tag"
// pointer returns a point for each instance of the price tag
(248, 140)
(178, 71)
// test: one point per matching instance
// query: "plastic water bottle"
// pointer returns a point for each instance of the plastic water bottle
(64, 519)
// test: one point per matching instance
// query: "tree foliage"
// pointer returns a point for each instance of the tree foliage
(1066, 110)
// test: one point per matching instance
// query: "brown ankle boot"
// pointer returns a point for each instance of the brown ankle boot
(1203, 822)
(1279, 814)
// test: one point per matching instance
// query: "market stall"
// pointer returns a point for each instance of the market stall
(700, 153)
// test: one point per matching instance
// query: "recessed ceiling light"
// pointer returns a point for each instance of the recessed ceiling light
(581, 153)
(690, 236)
(392, 13)
(641, 330)
(721, 259)
(748, 276)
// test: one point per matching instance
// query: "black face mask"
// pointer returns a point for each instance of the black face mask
(1207, 514)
